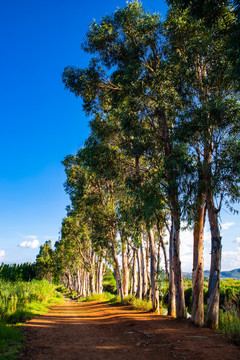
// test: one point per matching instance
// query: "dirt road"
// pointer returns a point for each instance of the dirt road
(100, 331)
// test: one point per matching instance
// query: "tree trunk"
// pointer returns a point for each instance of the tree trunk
(87, 284)
(147, 269)
(83, 282)
(134, 274)
(139, 259)
(173, 190)
(158, 257)
(198, 263)
(144, 272)
(99, 275)
(92, 274)
(125, 269)
(178, 276)
(117, 271)
(172, 290)
(215, 269)
(78, 282)
(69, 280)
(164, 251)
(153, 267)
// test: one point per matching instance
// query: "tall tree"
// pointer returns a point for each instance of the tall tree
(139, 91)
(45, 261)
(198, 46)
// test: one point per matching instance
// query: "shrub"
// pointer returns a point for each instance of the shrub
(17, 299)
(109, 283)
(97, 297)
(229, 322)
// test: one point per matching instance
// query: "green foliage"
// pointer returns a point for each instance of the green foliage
(45, 261)
(97, 297)
(229, 292)
(71, 294)
(22, 300)
(18, 272)
(164, 128)
(141, 304)
(109, 283)
(229, 322)
(163, 287)
(10, 341)
(138, 304)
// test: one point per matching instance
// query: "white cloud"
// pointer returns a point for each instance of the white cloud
(227, 225)
(31, 241)
(2, 254)
(186, 249)
(231, 259)
(30, 244)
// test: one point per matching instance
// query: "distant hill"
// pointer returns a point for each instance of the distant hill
(232, 274)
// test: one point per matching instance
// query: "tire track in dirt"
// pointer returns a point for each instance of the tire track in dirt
(95, 331)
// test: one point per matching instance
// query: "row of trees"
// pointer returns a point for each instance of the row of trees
(18, 272)
(44, 267)
(163, 148)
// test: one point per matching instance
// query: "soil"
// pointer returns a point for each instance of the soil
(100, 331)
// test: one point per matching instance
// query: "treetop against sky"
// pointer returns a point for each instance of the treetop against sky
(41, 123)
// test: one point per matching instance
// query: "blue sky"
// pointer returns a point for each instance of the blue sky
(41, 122)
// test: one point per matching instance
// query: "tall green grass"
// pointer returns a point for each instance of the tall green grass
(20, 301)
(138, 304)
(10, 341)
(135, 303)
(97, 297)
(229, 321)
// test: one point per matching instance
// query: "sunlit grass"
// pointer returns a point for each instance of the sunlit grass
(229, 323)
(98, 297)
(135, 303)
(138, 304)
(71, 294)
(19, 302)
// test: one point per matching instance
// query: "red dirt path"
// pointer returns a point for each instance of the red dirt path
(100, 331)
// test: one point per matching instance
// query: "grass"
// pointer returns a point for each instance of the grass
(71, 294)
(137, 304)
(10, 341)
(229, 321)
(20, 301)
(97, 297)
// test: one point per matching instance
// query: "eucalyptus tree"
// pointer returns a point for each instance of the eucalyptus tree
(75, 253)
(93, 212)
(197, 34)
(149, 208)
(45, 261)
(232, 43)
(131, 78)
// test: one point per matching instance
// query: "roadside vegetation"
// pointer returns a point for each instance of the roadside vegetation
(21, 301)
